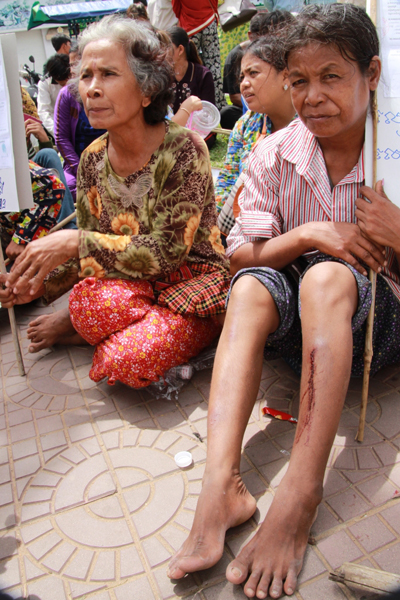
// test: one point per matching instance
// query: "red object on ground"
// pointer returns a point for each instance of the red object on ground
(278, 414)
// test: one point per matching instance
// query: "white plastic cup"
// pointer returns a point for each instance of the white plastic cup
(183, 459)
(204, 120)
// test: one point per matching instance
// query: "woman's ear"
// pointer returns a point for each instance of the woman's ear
(374, 72)
(146, 101)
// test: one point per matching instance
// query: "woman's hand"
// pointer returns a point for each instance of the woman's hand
(35, 128)
(8, 299)
(13, 250)
(379, 219)
(192, 103)
(39, 258)
(345, 241)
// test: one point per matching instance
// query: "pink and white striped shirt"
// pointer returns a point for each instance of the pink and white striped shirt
(287, 185)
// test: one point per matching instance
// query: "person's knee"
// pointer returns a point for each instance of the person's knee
(250, 294)
(327, 287)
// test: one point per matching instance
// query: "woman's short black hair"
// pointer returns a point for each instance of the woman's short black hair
(270, 49)
(58, 67)
(346, 26)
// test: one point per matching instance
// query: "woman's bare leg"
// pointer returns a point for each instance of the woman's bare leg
(56, 328)
(274, 557)
(224, 501)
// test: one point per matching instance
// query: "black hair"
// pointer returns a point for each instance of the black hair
(270, 49)
(58, 67)
(346, 26)
(179, 37)
(58, 40)
(137, 10)
(264, 23)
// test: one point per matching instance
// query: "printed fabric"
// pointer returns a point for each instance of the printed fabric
(158, 224)
(48, 193)
(137, 340)
(241, 141)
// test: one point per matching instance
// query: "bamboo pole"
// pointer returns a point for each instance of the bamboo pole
(368, 350)
(13, 322)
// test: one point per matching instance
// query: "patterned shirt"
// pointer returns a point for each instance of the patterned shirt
(287, 185)
(241, 141)
(30, 224)
(158, 224)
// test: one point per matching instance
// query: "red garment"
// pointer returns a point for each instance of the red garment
(195, 15)
(137, 340)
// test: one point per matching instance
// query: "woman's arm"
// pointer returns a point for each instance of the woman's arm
(63, 130)
(343, 240)
(185, 110)
(260, 218)
(379, 219)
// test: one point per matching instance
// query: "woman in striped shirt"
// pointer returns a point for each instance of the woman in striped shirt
(301, 204)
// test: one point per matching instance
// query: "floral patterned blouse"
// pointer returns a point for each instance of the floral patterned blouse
(241, 141)
(157, 224)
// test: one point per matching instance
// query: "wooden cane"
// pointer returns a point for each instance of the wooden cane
(13, 323)
(368, 350)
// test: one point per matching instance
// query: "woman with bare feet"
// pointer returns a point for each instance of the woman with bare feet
(304, 201)
(153, 278)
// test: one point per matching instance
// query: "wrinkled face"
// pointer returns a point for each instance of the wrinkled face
(329, 93)
(109, 91)
(261, 84)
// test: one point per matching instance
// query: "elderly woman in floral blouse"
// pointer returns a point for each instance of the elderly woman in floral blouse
(146, 265)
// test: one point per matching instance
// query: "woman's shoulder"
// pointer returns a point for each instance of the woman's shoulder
(282, 143)
(201, 70)
(180, 138)
(96, 149)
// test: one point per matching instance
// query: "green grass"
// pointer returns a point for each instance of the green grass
(218, 151)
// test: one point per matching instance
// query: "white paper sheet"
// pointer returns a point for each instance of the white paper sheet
(389, 32)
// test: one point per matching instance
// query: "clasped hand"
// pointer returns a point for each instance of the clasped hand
(38, 259)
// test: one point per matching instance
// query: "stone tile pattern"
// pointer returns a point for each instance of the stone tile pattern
(93, 506)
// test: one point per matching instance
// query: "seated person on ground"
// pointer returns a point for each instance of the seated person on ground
(265, 86)
(191, 77)
(20, 228)
(304, 201)
(46, 156)
(148, 250)
(58, 72)
(261, 24)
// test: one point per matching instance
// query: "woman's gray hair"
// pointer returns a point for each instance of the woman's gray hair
(146, 57)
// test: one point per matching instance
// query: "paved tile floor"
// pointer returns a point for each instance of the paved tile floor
(93, 506)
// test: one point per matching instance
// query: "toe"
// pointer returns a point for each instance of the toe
(291, 582)
(252, 584)
(31, 333)
(262, 589)
(275, 591)
(175, 573)
(36, 346)
(236, 572)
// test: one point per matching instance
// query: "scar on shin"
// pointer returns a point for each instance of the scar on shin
(309, 398)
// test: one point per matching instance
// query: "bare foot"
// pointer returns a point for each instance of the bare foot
(48, 330)
(223, 503)
(274, 556)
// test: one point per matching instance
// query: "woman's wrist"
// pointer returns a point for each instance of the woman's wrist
(184, 109)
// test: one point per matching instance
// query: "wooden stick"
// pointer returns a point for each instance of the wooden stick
(365, 578)
(221, 130)
(368, 350)
(61, 224)
(13, 323)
